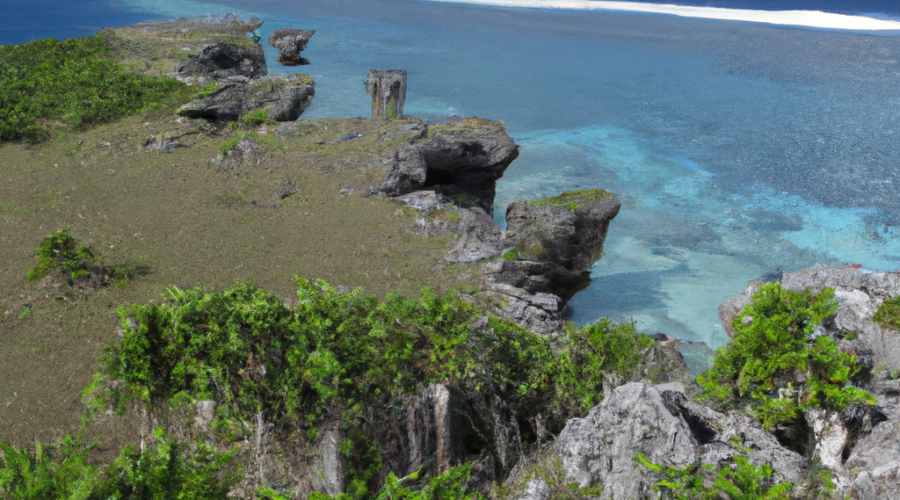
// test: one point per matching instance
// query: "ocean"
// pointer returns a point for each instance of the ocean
(741, 144)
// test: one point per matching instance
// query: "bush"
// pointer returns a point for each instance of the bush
(335, 355)
(60, 253)
(772, 364)
(164, 469)
(74, 265)
(739, 481)
(73, 82)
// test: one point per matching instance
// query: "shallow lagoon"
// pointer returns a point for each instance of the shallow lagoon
(738, 149)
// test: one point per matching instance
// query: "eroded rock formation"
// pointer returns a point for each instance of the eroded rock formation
(282, 97)
(388, 90)
(290, 43)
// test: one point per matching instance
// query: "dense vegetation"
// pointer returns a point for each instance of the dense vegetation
(740, 481)
(73, 83)
(336, 354)
(773, 363)
(165, 469)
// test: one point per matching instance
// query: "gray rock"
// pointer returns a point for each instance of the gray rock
(667, 427)
(461, 161)
(567, 231)
(284, 97)
(538, 312)
(407, 172)
(221, 60)
(872, 470)
(479, 237)
(289, 44)
(388, 90)
(859, 296)
(733, 307)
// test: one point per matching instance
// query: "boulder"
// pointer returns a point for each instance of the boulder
(566, 231)
(859, 296)
(284, 98)
(289, 44)
(538, 312)
(388, 90)
(733, 307)
(663, 424)
(222, 60)
(461, 161)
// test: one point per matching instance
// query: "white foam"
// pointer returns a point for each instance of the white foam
(807, 18)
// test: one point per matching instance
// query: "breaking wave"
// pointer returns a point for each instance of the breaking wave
(806, 18)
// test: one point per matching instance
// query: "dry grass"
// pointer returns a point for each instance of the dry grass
(192, 223)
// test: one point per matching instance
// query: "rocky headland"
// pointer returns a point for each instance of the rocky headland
(492, 381)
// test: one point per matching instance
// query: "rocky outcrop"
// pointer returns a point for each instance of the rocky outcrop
(221, 60)
(557, 240)
(283, 97)
(388, 90)
(666, 426)
(460, 161)
(859, 445)
(290, 43)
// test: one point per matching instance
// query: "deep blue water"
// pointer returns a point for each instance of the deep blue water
(738, 149)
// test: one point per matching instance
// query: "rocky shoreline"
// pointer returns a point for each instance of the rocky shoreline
(446, 174)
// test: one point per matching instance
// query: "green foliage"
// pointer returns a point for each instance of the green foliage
(450, 485)
(888, 315)
(739, 481)
(67, 262)
(338, 354)
(229, 143)
(60, 253)
(73, 82)
(573, 199)
(512, 254)
(559, 486)
(772, 363)
(255, 117)
(165, 469)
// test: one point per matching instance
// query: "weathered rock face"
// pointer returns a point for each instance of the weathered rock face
(670, 429)
(461, 161)
(221, 60)
(860, 444)
(388, 90)
(859, 296)
(566, 232)
(284, 97)
(289, 44)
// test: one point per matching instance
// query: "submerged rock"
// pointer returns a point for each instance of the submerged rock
(290, 43)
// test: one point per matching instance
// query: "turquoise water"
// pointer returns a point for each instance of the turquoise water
(738, 149)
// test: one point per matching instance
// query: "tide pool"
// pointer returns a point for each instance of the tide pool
(738, 149)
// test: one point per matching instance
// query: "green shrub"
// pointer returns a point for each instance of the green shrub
(740, 481)
(164, 469)
(338, 354)
(772, 364)
(256, 117)
(888, 315)
(450, 485)
(60, 253)
(73, 83)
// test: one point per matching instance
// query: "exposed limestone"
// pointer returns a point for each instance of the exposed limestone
(290, 43)
(860, 444)
(388, 90)
(220, 61)
(461, 161)
(567, 232)
(284, 97)
(667, 427)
